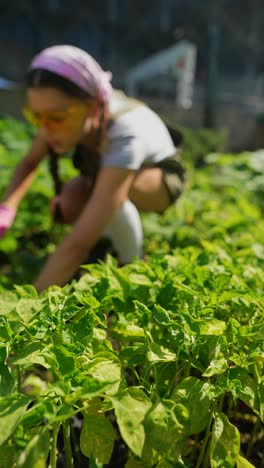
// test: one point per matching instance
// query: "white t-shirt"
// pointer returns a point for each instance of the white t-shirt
(136, 138)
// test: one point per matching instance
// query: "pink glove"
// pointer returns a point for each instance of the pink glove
(7, 216)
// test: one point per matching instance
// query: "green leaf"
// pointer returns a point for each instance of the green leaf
(158, 353)
(11, 411)
(247, 390)
(133, 355)
(27, 308)
(133, 463)
(193, 394)
(5, 329)
(8, 302)
(88, 388)
(83, 329)
(31, 353)
(225, 444)
(218, 363)
(143, 312)
(243, 463)
(140, 279)
(166, 464)
(166, 295)
(106, 370)
(36, 452)
(27, 290)
(166, 428)
(161, 315)
(256, 332)
(97, 438)
(127, 331)
(216, 366)
(210, 326)
(122, 279)
(64, 359)
(7, 379)
(64, 413)
(131, 406)
(35, 415)
(8, 456)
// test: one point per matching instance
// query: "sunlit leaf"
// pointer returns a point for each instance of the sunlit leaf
(131, 406)
(225, 443)
(11, 411)
(193, 394)
(97, 437)
(166, 428)
(36, 452)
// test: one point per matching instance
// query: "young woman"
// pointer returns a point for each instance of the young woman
(126, 157)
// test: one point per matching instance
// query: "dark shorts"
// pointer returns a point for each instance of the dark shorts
(173, 176)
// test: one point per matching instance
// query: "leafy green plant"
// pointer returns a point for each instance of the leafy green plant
(163, 355)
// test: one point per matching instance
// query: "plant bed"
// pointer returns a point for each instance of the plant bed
(155, 364)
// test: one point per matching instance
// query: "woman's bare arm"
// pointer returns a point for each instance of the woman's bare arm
(25, 173)
(111, 191)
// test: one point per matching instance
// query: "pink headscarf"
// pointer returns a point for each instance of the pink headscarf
(77, 66)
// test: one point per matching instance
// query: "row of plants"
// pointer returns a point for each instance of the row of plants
(155, 364)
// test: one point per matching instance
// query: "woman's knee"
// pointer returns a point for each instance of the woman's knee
(148, 191)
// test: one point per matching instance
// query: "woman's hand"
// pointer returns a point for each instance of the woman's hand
(7, 216)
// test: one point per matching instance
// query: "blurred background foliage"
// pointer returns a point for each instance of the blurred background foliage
(228, 35)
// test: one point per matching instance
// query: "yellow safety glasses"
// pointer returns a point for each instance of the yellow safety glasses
(55, 120)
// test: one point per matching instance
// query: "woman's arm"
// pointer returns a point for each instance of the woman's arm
(24, 174)
(111, 190)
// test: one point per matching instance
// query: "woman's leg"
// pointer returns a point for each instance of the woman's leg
(125, 232)
(72, 199)
(149, 192)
